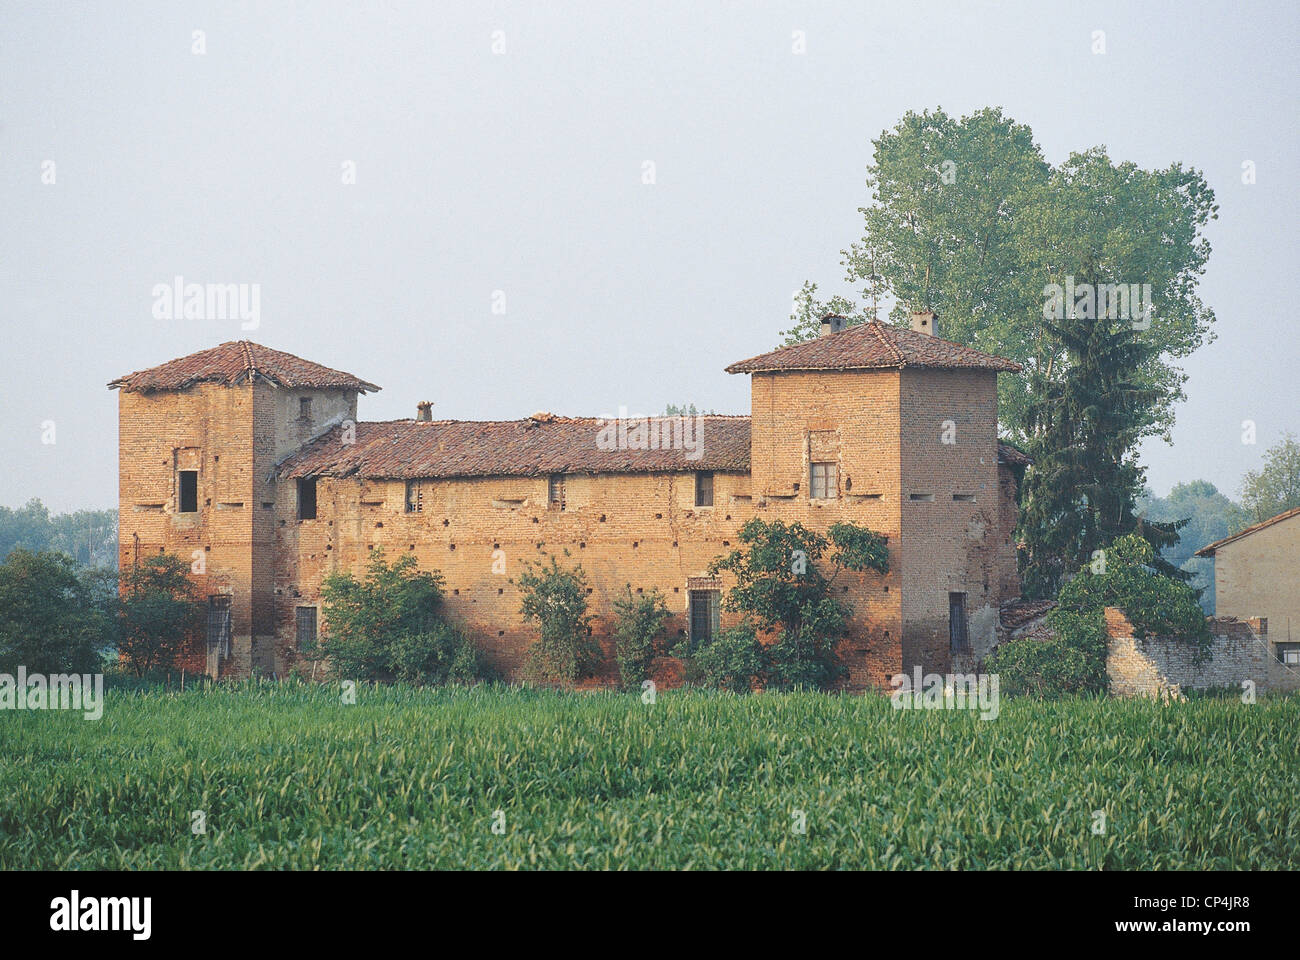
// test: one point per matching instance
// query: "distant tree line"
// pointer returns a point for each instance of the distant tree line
(89, 537)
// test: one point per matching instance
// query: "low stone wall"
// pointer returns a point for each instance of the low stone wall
(1163, 667)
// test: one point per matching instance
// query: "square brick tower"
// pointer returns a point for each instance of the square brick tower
(199, 440)
(896, 429)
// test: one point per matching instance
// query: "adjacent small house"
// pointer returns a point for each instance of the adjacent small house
(1257, 574)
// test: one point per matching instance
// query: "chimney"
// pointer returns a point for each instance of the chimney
(924, 322)
(424, 411)
(833, 323)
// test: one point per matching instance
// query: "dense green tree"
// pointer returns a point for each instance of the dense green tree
(782, 592)
(1081, 492)
(967, 218)
(388, 625)
(28, 527)
(638, 634)
(54, 616)
(1073, 660)
(88, 536)
(158, 613)
(1274, 488)
(555, 601)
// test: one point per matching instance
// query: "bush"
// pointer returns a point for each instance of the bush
(733, 661)
(780, 588)
(1074, 661)
(389, 626)
(555, 599)
(1050, 669)
(636, 632)
(441, 655)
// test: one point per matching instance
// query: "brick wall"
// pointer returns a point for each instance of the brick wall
(1163, 666)
(948, 450)
(637, 529)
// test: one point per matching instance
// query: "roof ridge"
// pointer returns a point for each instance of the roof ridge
(238, 361)
(888, 344)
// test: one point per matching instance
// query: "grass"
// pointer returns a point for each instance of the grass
(289, 777)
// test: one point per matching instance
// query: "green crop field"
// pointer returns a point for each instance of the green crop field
(285, 775)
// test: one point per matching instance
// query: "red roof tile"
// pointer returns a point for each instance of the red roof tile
(236, 362)
(541, 444)
(871, 346)
(1013, 455)
(408, 449)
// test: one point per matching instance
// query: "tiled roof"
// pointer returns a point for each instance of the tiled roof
(407, 449)
(542, 444)
(1017, 613)
(1209, 548)
(871, 346)
(236, 362)
(1009, 454)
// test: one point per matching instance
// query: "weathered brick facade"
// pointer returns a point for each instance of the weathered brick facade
(911, 434)
(1164, 667)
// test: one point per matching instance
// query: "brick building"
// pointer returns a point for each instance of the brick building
(251, 463)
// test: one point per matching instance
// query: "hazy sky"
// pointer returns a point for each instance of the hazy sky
(521, 172)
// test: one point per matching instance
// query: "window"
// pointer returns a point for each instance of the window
(218, 633)
(414, 496)
(1289, 653)
(306, 623)
(189, 491)
(304, 408)
(924, 497)
(555, 491)
(704, 616)
(964, 497)
(958, 640)
(825, 482)
(306, 498)
(704, 489)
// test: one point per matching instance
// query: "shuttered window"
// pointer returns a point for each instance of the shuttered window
(704, 489)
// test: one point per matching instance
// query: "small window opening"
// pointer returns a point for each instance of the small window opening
(306, 624)
(189, 491)
(555, 491)
(704, 616)
(304, 408)
(958, 639)
(824, 481)
(924, 497)
(964, 497)
(306, 498)
(704, 489)
(414, 497)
